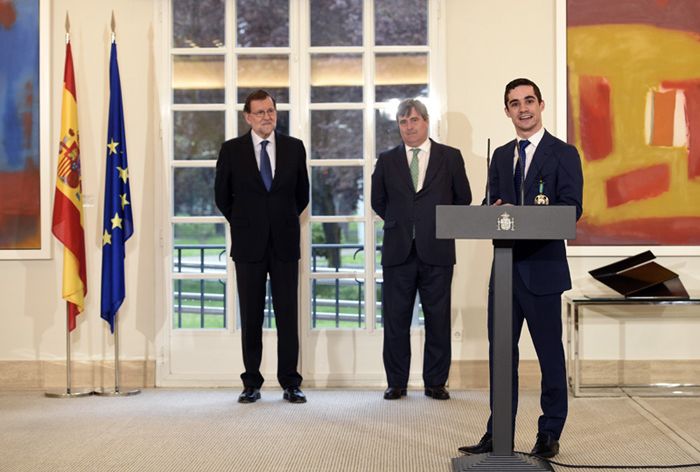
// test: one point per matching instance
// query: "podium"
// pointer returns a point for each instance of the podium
(504, 225)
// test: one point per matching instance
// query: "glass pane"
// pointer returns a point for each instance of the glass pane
(337, 303)
(336, 191)
(401, 22)
(264, 72)
(379, 306)
(193, 192)
(337, 247)
(400, 76)
(336, 22)
(198, 79)
(198, 134)
(198, 23)
(282, 122)
(200, 248)
(199, 304)
(386, 130)
(336, 78)
(336, 134)
(262, 23)
(379, 239)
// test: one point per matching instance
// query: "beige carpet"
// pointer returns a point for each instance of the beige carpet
(337, 430)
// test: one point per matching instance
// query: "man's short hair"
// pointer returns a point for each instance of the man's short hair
(517, 83)
(258, 95)
(409, 104)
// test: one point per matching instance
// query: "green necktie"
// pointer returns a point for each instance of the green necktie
(414, 167)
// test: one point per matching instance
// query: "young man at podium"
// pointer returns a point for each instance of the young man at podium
(535, 169)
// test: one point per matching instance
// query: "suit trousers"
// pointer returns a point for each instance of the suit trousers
(543, 315)
(401, 284)
(251, 278)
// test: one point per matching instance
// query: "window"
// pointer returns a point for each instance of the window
(337, 69)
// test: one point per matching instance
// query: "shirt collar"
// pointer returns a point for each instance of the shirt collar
(425, 147)
(535, 138)
(257, 139)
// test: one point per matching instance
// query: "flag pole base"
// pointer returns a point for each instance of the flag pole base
(116, 392)
(69, 393)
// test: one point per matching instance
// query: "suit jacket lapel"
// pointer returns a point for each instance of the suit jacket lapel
(400, 161)
(434, 163)
(542, 153)
(280, 161)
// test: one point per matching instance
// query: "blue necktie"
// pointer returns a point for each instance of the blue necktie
(520, 169)
(265, 167)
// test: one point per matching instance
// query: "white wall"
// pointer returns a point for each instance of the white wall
(489, 42)
(34, 314)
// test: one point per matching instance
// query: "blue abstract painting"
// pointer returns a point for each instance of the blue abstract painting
(20, 211)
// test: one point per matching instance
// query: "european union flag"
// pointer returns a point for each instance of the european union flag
(118, 222)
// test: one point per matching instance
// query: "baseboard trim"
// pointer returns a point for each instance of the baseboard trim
(51, 374)
(472, 374)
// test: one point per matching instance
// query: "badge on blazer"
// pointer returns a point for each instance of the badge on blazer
(541, 198)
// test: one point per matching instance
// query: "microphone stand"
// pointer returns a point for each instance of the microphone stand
(522, 181)
(488, 167)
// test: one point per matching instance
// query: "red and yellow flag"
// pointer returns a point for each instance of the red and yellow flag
(68, 200)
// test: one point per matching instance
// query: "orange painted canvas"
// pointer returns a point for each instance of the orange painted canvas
(633, 72)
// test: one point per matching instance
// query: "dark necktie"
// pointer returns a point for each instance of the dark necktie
(519, 173)
(265, 167)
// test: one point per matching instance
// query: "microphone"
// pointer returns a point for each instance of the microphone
(488, 166)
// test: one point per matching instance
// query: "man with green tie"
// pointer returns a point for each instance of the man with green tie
(408, 182)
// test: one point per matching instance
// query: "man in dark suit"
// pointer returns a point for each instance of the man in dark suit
(549, 172)
(408, 182)
(262, 186)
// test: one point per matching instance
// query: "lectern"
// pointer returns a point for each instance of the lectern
(504, 225)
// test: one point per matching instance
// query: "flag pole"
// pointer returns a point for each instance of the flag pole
(117, 392)
(114, 322)
(68, 393)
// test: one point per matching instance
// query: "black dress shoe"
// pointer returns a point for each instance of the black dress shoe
(394, 393)
(484, 446)
(438, 393)
(545, 446)
(249, 395)
(294, 395)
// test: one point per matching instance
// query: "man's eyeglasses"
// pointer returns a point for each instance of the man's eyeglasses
(261, 113)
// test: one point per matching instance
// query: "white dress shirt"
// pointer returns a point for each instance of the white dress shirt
(271, 148)
(423, 157)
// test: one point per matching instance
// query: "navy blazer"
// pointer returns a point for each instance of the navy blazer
(253, 213)
(395, 200)
(556, 165)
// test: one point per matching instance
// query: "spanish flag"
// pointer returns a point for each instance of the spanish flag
(68, 200)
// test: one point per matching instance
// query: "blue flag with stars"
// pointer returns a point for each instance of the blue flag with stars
(118, 222)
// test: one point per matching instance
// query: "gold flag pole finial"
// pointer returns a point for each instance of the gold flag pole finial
(67, 29)
(114, 27)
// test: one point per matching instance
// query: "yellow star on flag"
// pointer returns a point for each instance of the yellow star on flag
(116, 221)
(125, 202)
(123, 173)
(112, 146)
(106, 238)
